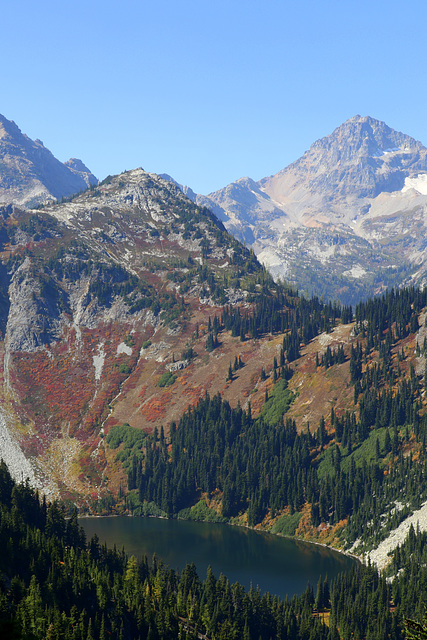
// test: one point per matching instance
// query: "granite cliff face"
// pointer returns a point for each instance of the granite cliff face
(345, 220)
(30, 175)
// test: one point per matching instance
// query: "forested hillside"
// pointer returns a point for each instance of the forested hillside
(350, 479)
(151, 366)
(56, 585)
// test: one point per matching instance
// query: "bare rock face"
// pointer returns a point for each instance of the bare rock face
(81, 170)
(360, 159)
(30, 175)
(34, 318)
(345, 220)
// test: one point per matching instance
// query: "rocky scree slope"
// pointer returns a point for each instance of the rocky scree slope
(345, 220)
(30, 175)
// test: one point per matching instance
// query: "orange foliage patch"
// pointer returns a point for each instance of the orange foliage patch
(155, 408)
(58, 389)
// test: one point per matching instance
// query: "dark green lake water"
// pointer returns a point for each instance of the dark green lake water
(278, 565)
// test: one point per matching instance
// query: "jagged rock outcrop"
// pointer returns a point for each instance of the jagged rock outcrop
(29, 173)
(34, 315)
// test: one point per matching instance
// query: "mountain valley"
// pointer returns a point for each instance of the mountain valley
(150, 365)
(124, 305)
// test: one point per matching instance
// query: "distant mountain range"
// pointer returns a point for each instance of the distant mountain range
(30, 175)
(345, 220)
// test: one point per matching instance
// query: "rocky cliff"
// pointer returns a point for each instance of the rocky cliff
(30, 175)
(346, 220)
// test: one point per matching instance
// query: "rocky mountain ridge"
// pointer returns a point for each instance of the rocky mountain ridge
(346, 220)
(29, 173)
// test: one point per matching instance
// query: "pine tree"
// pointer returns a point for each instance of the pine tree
(230, 373)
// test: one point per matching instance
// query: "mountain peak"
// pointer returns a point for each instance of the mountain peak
(321, 221)
(31, 175)
(359, 118)
(363, 137)
(359, 159)
(8, 128)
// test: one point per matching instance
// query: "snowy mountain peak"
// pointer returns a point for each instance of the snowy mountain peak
(360, 159)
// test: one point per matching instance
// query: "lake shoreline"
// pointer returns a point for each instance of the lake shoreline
(277, 564)
(352, 556)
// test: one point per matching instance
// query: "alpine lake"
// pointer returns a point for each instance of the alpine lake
(278, 565)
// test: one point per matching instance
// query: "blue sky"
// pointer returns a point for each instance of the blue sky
(208, 91)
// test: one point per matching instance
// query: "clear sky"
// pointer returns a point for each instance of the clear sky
(208, 91)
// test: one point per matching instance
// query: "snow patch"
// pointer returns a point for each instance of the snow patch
(123, 348)
(98, 361)
(384, 152)
(419, 183)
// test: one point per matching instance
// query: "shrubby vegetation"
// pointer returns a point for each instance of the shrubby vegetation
(167, 379)
(132, 439)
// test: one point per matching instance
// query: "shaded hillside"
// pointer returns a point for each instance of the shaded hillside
(332, 449)
(54, 584)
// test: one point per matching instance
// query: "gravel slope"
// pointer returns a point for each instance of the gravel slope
(19, 467)
(379, 556)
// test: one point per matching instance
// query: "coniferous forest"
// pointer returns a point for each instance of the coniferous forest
(55, 584)
(351, 469)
